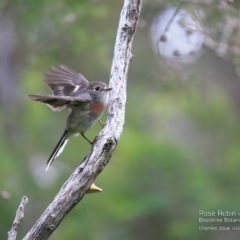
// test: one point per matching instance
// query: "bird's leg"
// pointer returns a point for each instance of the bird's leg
(100, 122)
(86, 138)
(95, 138)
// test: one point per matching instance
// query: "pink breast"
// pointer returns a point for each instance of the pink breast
(97, 108)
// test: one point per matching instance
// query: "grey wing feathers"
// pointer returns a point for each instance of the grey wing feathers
(63, 81)
(58, 103)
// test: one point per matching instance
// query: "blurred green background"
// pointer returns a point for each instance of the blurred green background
(180, 149)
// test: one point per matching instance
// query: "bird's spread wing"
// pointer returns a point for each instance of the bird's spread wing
(59, 103)
(63, 81)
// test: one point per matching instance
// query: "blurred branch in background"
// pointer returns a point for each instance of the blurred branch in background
(192, 28)
(225, 45)
(10, 47)
(10, 62)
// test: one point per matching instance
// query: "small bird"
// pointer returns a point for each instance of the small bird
(86, 101)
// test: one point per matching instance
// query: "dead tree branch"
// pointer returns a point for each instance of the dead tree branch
(76, 186)
(12, 234)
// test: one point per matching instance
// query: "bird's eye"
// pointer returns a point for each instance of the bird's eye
(97, 88)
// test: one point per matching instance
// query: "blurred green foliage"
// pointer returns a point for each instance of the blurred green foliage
(179, 152)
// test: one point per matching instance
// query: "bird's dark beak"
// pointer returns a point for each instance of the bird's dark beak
(107, 89)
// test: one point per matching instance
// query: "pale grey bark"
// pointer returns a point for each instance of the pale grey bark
(76, 186)
(12, 234)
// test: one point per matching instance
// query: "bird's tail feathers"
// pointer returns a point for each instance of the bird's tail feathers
(58, 149)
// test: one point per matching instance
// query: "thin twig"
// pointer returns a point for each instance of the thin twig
(12, 234)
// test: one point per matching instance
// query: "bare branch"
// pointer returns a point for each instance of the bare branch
(76, 186)
(12, 234)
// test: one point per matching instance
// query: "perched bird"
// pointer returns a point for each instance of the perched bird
(86, 101)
